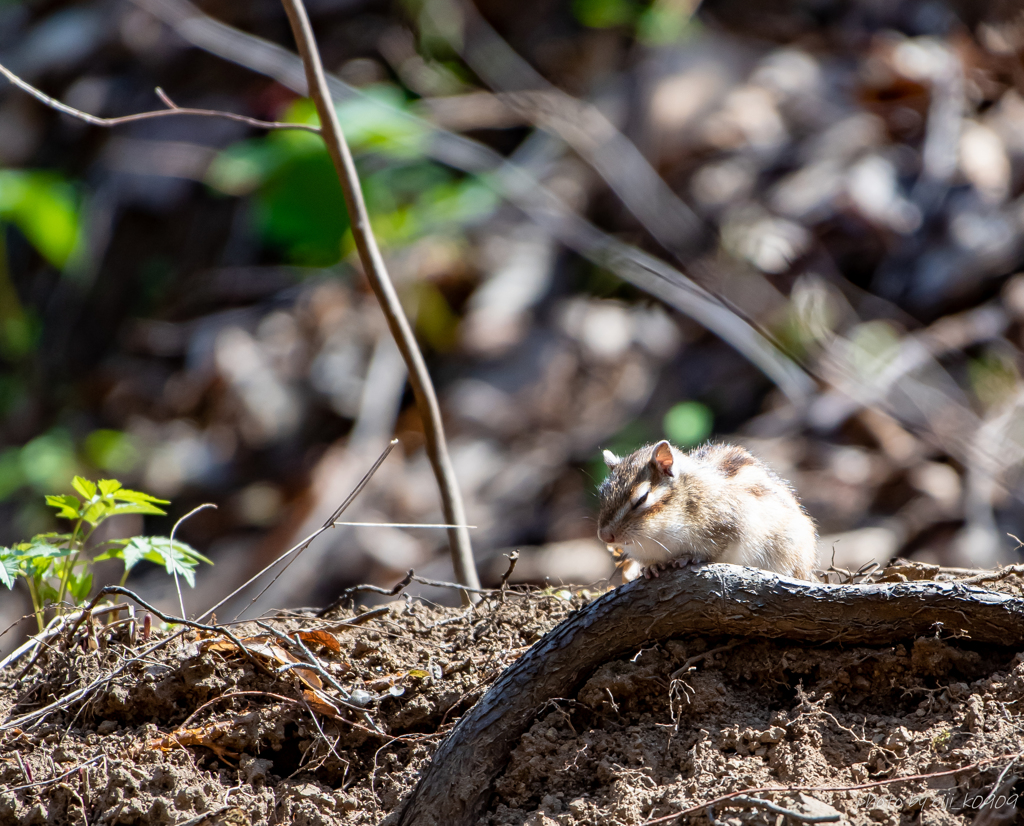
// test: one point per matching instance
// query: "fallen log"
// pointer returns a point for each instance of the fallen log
(712, 600)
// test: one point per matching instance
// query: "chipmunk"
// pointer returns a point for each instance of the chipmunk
(717, 503)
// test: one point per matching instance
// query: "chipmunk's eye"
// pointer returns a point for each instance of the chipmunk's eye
(640, 500)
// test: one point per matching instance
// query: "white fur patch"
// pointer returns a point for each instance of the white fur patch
(642, 490)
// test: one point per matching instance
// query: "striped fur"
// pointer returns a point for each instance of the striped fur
(717, 503)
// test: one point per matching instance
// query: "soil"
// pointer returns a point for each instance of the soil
(194, 732)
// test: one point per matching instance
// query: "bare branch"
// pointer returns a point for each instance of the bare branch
(173, 109)
(380, 281)
(757, 802)
(305, 543)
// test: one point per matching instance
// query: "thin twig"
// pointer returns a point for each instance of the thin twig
(401, 525)
(855, 788)
(15, 624)
(377, 274)
(26, 772)
(53, 780)
(696, 658)
(436, 583)
(52, 629)
(361, 619)
(513, 558)
(305, 543)
(330, 523)
(174, 530)
(757, 802)
(24, 720)
(312, 663)
(992, 576)
(348, 593)
(173, 109)
(400, 586)
(323, 734)
(220, 697)
(120, 589)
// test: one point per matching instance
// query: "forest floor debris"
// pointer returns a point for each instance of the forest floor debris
(194, 728)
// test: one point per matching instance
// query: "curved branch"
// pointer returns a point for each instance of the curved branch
(715, 599)
(380, 281)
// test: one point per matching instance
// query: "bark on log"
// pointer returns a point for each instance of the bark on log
(715, 599)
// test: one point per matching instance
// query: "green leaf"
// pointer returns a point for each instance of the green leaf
(67, 505)
(120, 508)
(115, 551)
(10, 566)
(126, 495)
(134, 552)
(47, 593)
(86, 488)
(301, 208)
(41, 550)
(98, 511)
(51, 537)
(376, 121)
(80, 586)
(110, 486)
(174, 555)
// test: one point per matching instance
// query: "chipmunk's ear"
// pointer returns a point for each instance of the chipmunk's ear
(662, 459)
(611, 459)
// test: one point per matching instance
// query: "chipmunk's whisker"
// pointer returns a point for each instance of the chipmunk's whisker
(660, 543)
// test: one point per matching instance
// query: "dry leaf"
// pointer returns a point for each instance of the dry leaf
(320, 703)
(324, 638)
(201, 736)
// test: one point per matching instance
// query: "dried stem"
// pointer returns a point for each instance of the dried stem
(172, 109)
(380, 281)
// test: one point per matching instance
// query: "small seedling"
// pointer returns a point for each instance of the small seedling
(54, 565)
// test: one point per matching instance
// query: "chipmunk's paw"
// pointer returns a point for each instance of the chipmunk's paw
(682, 562)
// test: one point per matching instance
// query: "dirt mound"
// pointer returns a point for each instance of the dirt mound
(118, 734)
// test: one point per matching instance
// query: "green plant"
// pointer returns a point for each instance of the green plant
(54, 565)
(299, 204)
(940, 742)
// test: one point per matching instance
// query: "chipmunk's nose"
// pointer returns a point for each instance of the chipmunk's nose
(606, 535)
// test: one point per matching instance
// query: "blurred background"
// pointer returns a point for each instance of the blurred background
(797, 225)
